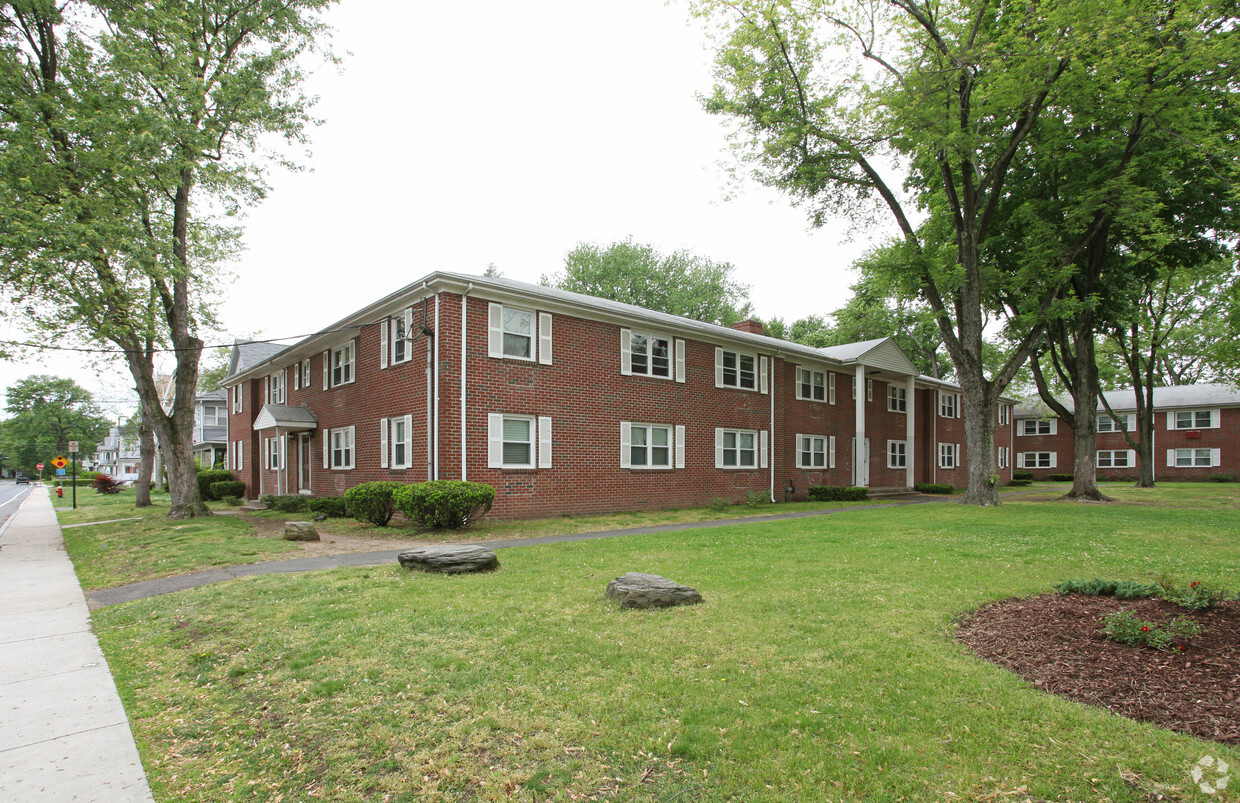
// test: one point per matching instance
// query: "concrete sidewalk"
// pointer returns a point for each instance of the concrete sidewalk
(64, 735)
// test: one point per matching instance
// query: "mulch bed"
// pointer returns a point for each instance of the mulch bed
(1057, 642)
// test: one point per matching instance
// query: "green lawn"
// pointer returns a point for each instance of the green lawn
(820, 667)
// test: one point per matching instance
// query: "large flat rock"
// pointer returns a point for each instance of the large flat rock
(449, 559)
(640, 590)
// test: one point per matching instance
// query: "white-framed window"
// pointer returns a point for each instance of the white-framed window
(305, 373)
(650, 355)
(949, 405)
(1005, 414)
(275, 388)
(518, 334)
(214, 416)
(811, 384)
(396, 442)
(815, 451)
(518, 441)
(740, 448)
(1192, 419)
(1035, 460)
(897, 454)
(869, 389)
(237, 463)
(236, 398)
(897, 398)
(650, 446)
(400, 327)
(1194, 458)
(1108, 424)
(343, 364)
(1004, 458)
(1116, 458)
(1037, 426)
(338, 448)
(273, 454)
(949, 455)
(734, 369)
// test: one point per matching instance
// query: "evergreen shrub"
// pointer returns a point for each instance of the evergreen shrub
(373, 501)
(206, 478)
(450, 504)
(837, 493)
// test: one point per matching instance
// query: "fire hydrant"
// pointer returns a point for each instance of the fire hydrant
(60, 492)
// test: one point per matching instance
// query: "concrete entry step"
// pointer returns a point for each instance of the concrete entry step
(893, 492)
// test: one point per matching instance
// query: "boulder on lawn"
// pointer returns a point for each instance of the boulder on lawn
(300, 531)
(639, 590)
(449, 559)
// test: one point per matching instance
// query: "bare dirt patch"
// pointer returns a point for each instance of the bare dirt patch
(1057, 642)
(329, 543)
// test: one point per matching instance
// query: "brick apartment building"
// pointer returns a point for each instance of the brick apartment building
(571, 404)
(1196, 434)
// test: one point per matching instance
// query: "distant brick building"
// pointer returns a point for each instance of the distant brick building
(571, 404)
(1196, 434)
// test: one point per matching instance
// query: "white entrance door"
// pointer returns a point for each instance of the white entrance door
(861, 464)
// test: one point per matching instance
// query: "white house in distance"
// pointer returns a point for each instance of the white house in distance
(119, 454)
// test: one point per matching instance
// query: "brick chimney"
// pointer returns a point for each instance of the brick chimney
(749, 325)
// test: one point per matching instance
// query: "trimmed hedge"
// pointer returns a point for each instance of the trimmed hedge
(288, 503)
(934, 488)
(837, 493)
(207, 478)
(445, 503)
(1019, 483)
(373, 501)
(1022, 475)
(1120, 589)
(219, 490)
(333, 506)
(1059, 477)
(1222, 478)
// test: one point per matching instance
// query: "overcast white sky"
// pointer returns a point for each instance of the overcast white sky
(458, 135)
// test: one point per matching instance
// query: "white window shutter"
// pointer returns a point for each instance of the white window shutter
(353, 360)
(680, 446)
(544, 441)
(352, 447)
(1216, 420)
(409, 332)
(1020, 459)
(718, 447)
(763, 448)
(831, 393)
(959, 406)
(626, 441)
(958, 462)
(831, 449)
(495, 440)
(1171, 458)
(718, 367)
(408, 439)
(1216, 457)
(495, 331)
(799, 373)
(626, 352)
(1170, 421)
(327, 359)
(763, 368)
(327, 449)
(1054, 425)
(383, 443)
(544, 338)
(680, 360)
(240, 453)
(267, 391)
(1132, 458)
(383, 342)
(869, 390)
(1054, 459)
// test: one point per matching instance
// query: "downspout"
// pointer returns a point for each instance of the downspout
(934, 434)
(464, 366)
(770, 443)
(435, 386)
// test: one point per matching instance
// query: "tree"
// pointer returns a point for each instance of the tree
(950, 95)
(211, 376)
(811, 330)
(680, 283)
(46, 413)
(132, 136)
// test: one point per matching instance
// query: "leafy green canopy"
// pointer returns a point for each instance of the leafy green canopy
(46, 413)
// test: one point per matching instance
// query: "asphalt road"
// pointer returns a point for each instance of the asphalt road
(11, 496)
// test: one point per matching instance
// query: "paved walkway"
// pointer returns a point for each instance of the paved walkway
(64, 735)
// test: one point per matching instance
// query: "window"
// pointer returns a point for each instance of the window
(650, 355)
(512, 333)
(1037, 426)
(213, 416)
(236, 455)
(1115, 458)
(512, 440)
(1037, 460)
(739, 448)
(338, 448)
(949, 455)
(735, 370)
(236, 398)
(949, 405)
(811, 451)
(811, 385)
(650, 446)
(275, 388)
(1191, 419)
(400, 337)
(1108, 424)
(1005, 414)
(305, 373)
(897, 454)
(869, 389)
(396, 442)
(897, 399)
(343, 364)
(1004, 457)
(1193, 458)
(518, 442)
(273, 453)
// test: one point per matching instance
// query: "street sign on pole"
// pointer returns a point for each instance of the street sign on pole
(38, 466)
(60, 462)
(73, 447)
(60, 472)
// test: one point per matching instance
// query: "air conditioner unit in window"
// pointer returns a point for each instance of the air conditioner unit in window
(1193, 434)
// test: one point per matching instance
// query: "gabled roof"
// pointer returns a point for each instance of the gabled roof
(882, 353)
(219, 394)
(285, 417)
(1165, 398)
(248, 353)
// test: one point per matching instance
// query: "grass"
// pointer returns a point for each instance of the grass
(820, 667)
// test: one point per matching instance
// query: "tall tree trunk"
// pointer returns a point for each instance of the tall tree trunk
(1085, 417)
(146, 463)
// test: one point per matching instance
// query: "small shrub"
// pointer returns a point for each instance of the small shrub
(719, 504)
(333, 506)
(209, 477)
(219, 490)
(1121, 589)
(1020, 483)
(837, 493)
(1222, 478)
(445, 503)
(1124, 627)
(755, 498)
(291, 503)
(1022, 475)
(1196, 596)
(1059, 477)
(372, 501)
(231, 501)
(934, 488)
(104, 484)
(268, 500)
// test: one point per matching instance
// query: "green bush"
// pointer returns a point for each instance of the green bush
(445, 503)
(333, 506)
(1197, 596)
(1121, 589)
(1126, 628)
(719, 504)
(837, 493)
(934, 488)
(755, 498)
(289, 503)
(1059, 477)
(227, 488)
(1022, 475)
(207, 478)
(1015, 483)
(1222, 478)
(372, 501)
(231, 501)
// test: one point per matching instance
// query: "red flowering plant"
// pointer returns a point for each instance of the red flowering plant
(1124, 627)
(1196, 596)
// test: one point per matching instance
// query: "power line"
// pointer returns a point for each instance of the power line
(84, 350)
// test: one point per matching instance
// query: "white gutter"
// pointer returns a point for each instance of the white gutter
(464, 366)
(770, 443)
(435, 385)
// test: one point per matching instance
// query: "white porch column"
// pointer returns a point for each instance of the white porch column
(910, 410)
(861, 455)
